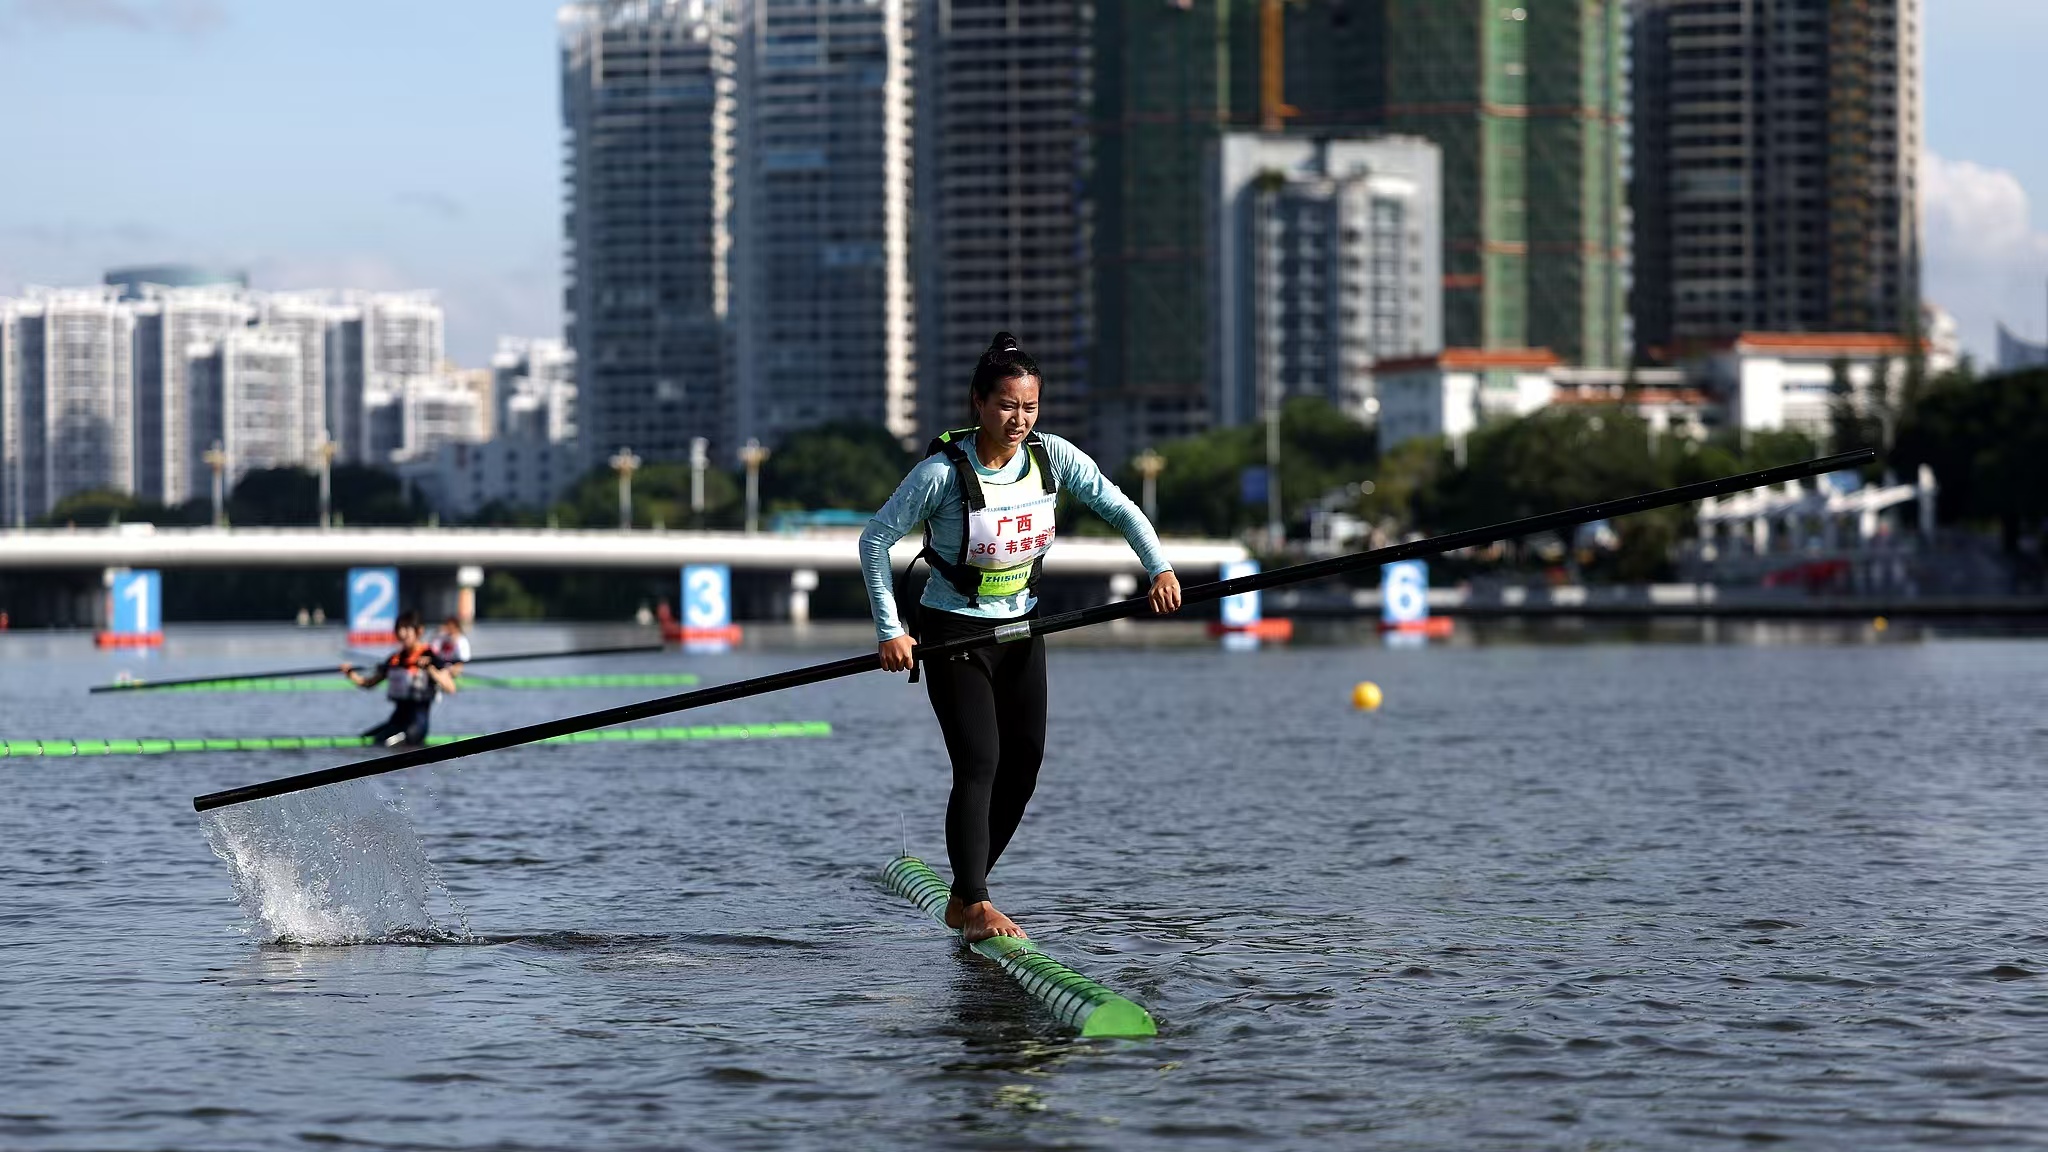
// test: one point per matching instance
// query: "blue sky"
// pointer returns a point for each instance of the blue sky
(417, 143)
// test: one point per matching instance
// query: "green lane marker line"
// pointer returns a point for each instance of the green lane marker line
(597, 680)
(23, 749)
(470, 683)
(1076, 1000)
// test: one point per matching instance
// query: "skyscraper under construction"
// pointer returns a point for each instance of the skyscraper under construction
(1775, 152)
(1526, 103)
(1169, 78)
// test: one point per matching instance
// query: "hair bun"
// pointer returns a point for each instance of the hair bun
(1004, 342)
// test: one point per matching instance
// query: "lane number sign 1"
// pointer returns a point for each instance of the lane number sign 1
(138, 602)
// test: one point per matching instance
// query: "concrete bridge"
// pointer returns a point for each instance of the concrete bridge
(147, 546)
(76, 558)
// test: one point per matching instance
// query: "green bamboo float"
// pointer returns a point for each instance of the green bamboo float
(1079, 1002)
(469, 682)
(159, 746)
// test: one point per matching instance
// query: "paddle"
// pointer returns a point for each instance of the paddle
(1022, 629)
(329, 669)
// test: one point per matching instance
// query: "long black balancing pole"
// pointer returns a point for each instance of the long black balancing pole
(1022, 629)
(329, 669)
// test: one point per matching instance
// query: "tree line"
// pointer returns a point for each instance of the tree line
(1986, 438)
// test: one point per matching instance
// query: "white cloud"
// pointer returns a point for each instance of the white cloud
(188, 18)
(480, 306)
(73, 253)
(1985, 260)
(438, 204)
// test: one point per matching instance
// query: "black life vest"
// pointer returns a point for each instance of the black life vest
(971, 580)
(406, 676)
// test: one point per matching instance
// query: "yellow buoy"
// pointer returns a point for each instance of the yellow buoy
(1365, 696)
(1880, 623)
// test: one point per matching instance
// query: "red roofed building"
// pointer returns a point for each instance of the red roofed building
(1786, 380)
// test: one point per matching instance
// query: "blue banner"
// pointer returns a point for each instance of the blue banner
(1251, 485)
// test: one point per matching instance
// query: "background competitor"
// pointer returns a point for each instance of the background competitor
(414, 674)
(452, 646)
(986, 496)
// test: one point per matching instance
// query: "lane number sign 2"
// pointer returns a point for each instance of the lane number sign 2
(372, 599)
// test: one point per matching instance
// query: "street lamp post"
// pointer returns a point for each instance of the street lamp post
(1150, 465)
(624, 462)
(218, 461)
(326, 452)
(753, 456)
(700, 458)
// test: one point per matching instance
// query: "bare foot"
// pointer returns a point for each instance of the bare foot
(956, 913)
(982, 921)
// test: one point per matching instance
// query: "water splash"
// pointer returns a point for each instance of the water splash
(340, 864)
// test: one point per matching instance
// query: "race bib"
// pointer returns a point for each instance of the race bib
(1011, 537)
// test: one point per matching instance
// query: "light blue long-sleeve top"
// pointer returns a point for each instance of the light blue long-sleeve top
(930, 495)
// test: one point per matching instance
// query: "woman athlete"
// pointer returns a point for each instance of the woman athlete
(986, 497)
(413, 676)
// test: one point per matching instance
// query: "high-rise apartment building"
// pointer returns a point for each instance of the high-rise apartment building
(128, 387)
(304, 319)
(1326, 256)
(373, 346)
(347, 384)
(175, 421)
(533, 388)
(1776, 188)
(1004, 159)
(530, 453)
(821, 256)
(438, 412)
(255, 380)
(404, 333)
(1525, 100)
(647, 101)
(66, 396)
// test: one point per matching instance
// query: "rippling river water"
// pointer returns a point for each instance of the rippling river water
(1599, 895)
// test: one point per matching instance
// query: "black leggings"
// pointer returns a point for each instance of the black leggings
(408, 718)
(991, 707)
